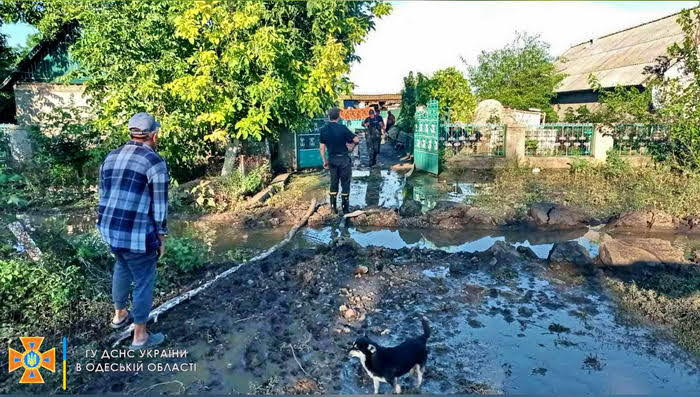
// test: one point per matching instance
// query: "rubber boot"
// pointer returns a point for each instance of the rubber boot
(334, 203)
(346, 204)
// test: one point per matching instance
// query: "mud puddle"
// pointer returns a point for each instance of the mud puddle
(389, 188)
(502, 322)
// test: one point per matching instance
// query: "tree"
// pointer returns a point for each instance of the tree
(448, 86)
(451, 89)
(617, 105)
(677, 97)
(521, 75)
(214, 70)
(407, 120)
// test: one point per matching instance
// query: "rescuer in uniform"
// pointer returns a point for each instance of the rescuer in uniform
(336, 143)
(374, 124)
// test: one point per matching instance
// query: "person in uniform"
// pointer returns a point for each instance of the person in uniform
(374, 124)
(335, 144)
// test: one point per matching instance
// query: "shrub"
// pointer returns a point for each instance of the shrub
(183, 255)
(37, 295)
(615, 166)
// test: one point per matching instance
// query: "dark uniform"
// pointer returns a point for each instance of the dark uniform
(374, 137)
(336, 137)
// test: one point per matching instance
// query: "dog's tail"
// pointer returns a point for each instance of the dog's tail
(426, 327)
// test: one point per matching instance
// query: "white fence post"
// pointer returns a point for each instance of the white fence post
(602, 143)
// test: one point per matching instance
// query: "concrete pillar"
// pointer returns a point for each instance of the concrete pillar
(232, 151)
(19, 143)
(515, 143)
(602, 143)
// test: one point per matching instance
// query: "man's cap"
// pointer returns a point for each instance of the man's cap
(143, 124)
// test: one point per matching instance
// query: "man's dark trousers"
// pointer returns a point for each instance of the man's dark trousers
(340, 167)
(374, 140)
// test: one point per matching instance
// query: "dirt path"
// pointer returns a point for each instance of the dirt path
(502, 322)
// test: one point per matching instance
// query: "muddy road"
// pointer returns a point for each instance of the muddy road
(503, 321)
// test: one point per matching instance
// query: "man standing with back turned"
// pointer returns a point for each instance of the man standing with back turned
(374, 124)
(132, 218)
(336, 140)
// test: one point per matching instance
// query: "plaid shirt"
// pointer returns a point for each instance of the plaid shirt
(133, 207)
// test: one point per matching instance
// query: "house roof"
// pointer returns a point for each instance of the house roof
(618, 58)
(372, 97)
(36, 54)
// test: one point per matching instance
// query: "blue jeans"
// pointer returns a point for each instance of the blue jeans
(141, 270)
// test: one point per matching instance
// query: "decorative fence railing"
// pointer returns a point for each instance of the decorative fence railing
(638, 139)
(475, 139)
(559, 139)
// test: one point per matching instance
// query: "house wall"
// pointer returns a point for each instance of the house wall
(35, 102)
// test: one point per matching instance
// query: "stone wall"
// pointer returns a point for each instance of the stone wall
(36, 101)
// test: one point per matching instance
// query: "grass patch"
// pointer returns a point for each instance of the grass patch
(600, 190)
(302, 188)
(221, 193)
(669, 299)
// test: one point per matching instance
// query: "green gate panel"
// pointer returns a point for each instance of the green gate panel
(426, 139)
(307, 145)
(308, 152)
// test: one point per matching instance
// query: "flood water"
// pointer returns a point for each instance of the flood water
(538, 333)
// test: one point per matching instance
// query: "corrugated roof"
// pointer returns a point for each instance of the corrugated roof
(618, 58)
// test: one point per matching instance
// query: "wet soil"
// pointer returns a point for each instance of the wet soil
(502, 321)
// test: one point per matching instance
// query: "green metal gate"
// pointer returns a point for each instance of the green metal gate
(426, 139)
(308, 153)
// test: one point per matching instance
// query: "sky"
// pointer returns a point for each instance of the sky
(425, 36)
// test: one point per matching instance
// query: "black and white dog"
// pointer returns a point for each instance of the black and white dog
(388, 364)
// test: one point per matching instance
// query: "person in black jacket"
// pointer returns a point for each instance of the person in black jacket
(375, 125)
(335, 143)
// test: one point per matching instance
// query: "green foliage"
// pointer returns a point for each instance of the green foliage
(615, 166)
(451, 89)
(448, 86)
(407, 120)
(618, 105)
(32, 293)
(12, 190)
(520, 75)
(213, 70)
(223, 193)
(184, 254)
(579, 165)
(678, 97)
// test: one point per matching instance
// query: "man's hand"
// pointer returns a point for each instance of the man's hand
(161, 249)
(325, 165)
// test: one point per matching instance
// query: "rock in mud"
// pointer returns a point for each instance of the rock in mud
(453, 216)
(361, 269)
(527, 252)
(569, 252)
(651, 220)
(349, 314)
(410, 208)
(502, 252)
(630, 251)
(551, 215)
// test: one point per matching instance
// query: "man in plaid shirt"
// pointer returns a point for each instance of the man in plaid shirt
(132, 218)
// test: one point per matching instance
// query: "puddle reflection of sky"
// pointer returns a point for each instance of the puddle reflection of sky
(393, 239)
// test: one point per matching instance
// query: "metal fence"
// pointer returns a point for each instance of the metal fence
(638, 139)
(475, 139)
(559, 139)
